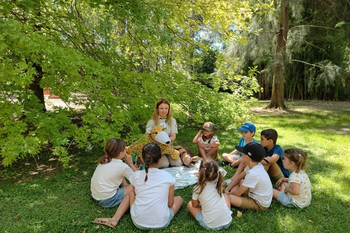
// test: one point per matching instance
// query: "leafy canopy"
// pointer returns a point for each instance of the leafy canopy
(122, 55)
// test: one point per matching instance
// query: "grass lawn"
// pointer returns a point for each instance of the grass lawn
(47, 198)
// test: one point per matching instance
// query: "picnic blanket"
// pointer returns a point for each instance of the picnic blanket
(185, 176)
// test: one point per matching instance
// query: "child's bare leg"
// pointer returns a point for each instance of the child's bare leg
(236, 162)
(213, 153)
(235, 200)
(124, 183)
(202, 153)
(177, 204)
(228, 158)
(123, 207)
(128, 189)
(194, 210)
(227, 200)
(275, 194)
(274, 170)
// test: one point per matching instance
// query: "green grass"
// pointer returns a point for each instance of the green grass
(53, 199)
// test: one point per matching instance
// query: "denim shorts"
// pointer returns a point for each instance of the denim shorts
(199, 218)
(113, 201)
(286, 200)
(171, 216)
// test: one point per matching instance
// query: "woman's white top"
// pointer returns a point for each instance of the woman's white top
(168, 128)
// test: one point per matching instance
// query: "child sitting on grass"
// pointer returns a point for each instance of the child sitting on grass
(274, 155)
(108, 184)
(295, 191)
(208, 205)
(256, 187)
(234, 158)
(208, 143)
(152, 203)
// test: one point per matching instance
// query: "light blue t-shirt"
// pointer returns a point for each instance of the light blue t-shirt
(242, 144)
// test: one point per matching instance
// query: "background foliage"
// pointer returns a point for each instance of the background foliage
(121, 56)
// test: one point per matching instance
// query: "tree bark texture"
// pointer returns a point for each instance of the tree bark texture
(277, 96)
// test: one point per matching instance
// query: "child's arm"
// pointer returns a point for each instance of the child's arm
(238, 192)
(213, 145)
(195, 139)
(235, 181)
(128, 161)
(172, 137)
(280, 181)
(171, 196)
(195, 203)
(270, 160)
(294, 188)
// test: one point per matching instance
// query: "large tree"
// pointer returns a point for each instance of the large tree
(122, 55)
(277, 96)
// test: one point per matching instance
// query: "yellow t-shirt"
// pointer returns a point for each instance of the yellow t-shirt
(303, 199)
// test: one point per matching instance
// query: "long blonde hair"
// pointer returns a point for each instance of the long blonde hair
(209, 171)
(155, 116)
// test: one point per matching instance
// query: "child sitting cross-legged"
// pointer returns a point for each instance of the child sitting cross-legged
(256, 188)
(294, 191)
(108, 184)
(234, 158)
(208, 144)
(209, 205)
(152, 203)
(274, 155)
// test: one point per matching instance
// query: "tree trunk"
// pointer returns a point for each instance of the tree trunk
(35, 85)
(277, 96)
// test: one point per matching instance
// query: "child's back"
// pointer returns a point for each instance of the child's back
(150, 209)
(214, 209)
(108, 177)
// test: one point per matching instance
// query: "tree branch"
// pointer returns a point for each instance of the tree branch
(321, 67)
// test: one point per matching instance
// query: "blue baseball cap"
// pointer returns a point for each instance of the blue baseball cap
(248, 127)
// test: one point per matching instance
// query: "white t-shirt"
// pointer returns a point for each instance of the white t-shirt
(107, 179)
(150, 209)
(259, 184)
(168, 128)
(212, 140)
(304, 197)
(214, 209)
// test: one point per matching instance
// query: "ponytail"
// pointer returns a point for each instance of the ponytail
(151, 153)
(112, 149)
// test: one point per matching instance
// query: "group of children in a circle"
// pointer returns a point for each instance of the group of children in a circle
(150, 194)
